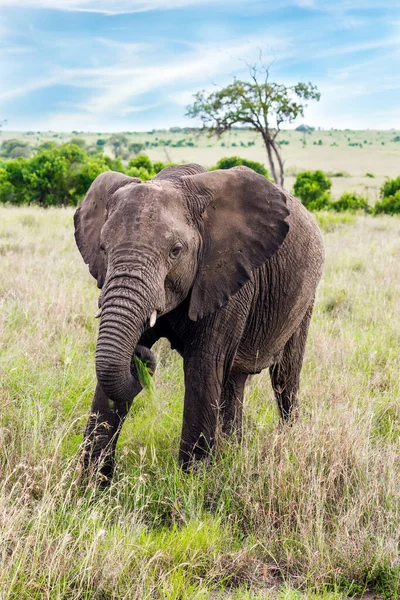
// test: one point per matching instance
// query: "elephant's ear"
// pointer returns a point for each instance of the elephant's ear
(242, 217)
(90, 217)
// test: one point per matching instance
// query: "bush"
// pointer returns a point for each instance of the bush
(158, 166)
(350, 202)
(78, 142)
(136, 147)
(142, 162)
(390, 187)
(313, 189)
(235, 161)
(389, 204)
(390, 194)
(14, 148)
(53, 176)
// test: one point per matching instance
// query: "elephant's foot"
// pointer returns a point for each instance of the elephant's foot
(191, 454)
(96, 463)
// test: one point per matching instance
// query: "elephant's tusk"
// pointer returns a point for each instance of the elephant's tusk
(153, 318)
(98, 314)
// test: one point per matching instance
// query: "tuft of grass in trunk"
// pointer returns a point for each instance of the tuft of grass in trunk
(145, 376)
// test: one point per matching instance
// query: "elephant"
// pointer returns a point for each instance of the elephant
(225, 265)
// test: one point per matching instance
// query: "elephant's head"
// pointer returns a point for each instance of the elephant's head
(151, 245)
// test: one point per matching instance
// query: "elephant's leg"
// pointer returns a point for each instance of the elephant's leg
(203, 386)
(208, 357)
(98, 444)
(104, 426)
(232, 403)
(285, 374)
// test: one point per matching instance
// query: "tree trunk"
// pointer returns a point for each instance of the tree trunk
(268, 146)
(271, 150)
(280, 162)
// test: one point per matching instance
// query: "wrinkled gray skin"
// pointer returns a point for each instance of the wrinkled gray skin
(229, 261)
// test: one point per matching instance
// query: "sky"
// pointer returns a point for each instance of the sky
(119, 65)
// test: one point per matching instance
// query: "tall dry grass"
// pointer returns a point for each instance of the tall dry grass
(310, 510)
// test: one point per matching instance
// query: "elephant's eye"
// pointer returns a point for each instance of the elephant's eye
(176, 250)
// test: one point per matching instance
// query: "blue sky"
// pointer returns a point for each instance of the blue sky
(110, 65)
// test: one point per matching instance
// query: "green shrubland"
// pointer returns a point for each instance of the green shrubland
(313, 189)
(61, 174)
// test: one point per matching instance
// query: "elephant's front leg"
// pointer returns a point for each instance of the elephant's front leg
(104, 426)
(203, 385)
(98, 448)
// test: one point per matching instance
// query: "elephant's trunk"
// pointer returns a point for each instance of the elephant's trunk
(123, 320)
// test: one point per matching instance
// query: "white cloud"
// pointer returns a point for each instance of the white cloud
(9, 50)
(32, 86)
(140, 108)
(108, 7)
(113, 87)
(200, 65)
(115, 91)
(362, 47)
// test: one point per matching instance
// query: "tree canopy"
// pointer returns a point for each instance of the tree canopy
(259, 103)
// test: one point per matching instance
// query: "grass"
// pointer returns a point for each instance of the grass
(310, 511)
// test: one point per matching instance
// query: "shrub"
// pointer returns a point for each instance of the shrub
(46, 146)
(53, 176)
(142, 162)
(140, 172)
(136, 147)
(351, 202)
(15, 148)
(158, 166)
(101, 142)
(78, 142)
(389, 204)
(235, 161)
(390, 187)
(313, 189)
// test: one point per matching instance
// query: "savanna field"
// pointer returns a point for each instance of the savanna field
(357, 161)
(308, 511)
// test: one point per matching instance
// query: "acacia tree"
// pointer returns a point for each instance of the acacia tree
(260, 104)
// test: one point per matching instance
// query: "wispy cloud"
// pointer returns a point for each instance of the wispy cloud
(374, 44)
(36, 84)
(9, 50)
(137, 63)
(107, 7)
(113, 87)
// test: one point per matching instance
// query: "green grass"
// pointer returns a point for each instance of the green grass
(310, 511)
